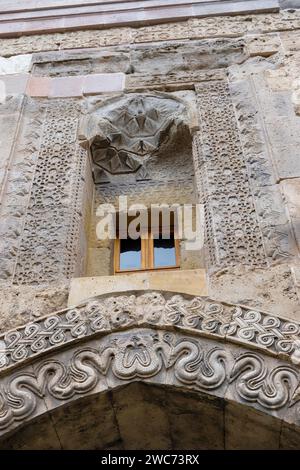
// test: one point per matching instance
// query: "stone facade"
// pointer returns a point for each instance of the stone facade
(200, 110)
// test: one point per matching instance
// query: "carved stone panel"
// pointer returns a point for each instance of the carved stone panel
(50, 247)
(151, 356)
(21, 122)
(106, 314)
(232, 230)
(250, 108)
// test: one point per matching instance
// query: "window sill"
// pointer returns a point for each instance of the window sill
(133, 271)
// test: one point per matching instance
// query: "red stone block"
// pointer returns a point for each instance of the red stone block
(38, 86)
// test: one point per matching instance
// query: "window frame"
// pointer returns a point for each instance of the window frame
(147, 255)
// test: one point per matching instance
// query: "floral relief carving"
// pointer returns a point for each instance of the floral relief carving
(279, 243)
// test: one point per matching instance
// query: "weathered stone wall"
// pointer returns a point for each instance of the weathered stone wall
(245, 130)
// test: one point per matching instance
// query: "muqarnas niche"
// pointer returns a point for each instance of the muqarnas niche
(123, 133)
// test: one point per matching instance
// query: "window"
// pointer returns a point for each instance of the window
(150, 252)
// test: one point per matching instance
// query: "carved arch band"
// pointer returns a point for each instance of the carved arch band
(163, 338)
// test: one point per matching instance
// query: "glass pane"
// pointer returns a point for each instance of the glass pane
(164, 252)
(130, 254)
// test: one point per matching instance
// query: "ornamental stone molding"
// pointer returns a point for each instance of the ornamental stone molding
(193, 28)
(30, 19)
(106, 314)
(229, 351)
(124, 132)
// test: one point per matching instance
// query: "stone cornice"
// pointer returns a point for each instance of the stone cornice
(37, 17)
(193, 28)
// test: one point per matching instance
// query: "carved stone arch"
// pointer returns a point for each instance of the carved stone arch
(245, 358)
(144, 415)
(123, 132)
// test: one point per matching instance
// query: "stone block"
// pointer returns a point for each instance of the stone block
(80, 62)
(2, 178)
(263, 45)
(99, 261)
(14, 84)
(296, 96)
(6, 270)
(190, 281)
(16, 64)
(103, 83)
(8, 128)
(290, 40)
(271, 289)
(38, 87)
(187, 413)
(291, 192)
(184, 281)
(282, 127)
(18, 185)
(296, 275)
(62, 87)
(106, 15)
(38, 435)
(239, 426)
(134, 410)
(88, 423)
(289, 437)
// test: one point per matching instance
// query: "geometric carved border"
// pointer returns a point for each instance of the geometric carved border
(50, 247)
(241, 228)
(278, 239)
(232, 230)
(244, 214)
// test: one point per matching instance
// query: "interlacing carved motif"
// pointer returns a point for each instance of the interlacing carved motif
(143, 355)
(111, 313)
